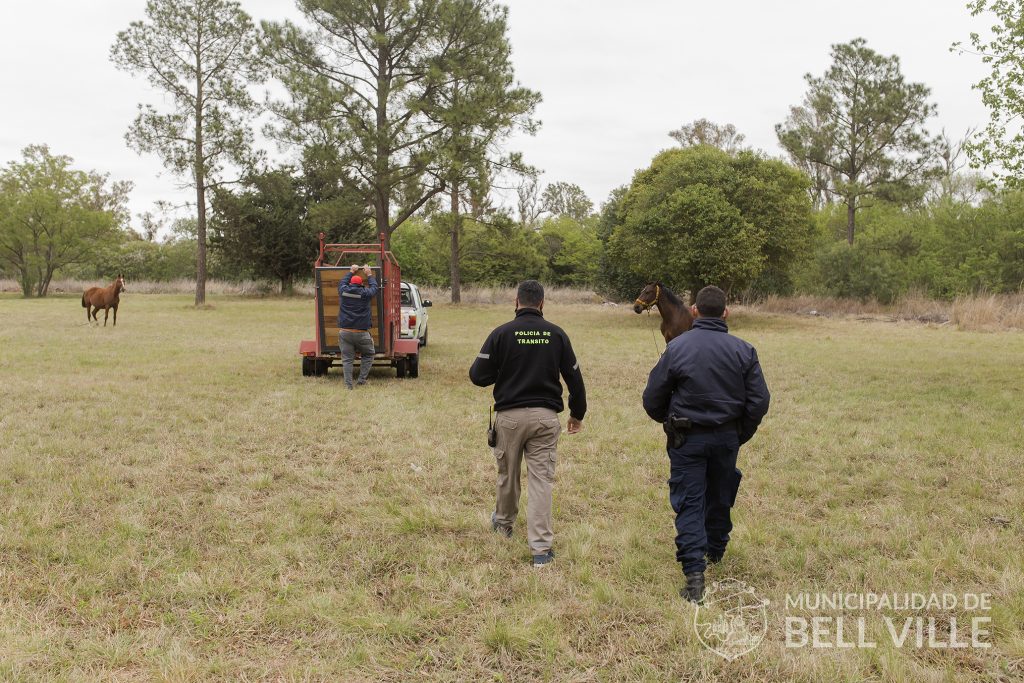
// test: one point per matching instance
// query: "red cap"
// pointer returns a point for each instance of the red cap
(356, 280)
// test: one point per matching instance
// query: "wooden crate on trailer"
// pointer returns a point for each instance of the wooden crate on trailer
(327, 279)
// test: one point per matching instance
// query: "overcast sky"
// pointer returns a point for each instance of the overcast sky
(615, 76)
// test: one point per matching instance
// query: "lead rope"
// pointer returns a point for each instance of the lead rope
(654, 336)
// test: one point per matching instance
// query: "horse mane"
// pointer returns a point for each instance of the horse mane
(671, 296)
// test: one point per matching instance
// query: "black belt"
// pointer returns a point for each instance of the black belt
(710, 429)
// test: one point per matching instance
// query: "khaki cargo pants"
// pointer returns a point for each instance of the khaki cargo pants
(531, 433)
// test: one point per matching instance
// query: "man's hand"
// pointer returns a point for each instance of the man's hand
(574, 425)
(354, 268)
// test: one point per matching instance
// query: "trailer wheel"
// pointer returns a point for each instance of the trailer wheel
(308, 367)
(400, 367)
(320, 367)
(414, 366)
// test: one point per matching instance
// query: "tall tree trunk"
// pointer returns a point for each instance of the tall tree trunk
(851, 216)
(200, 240)
(39, 269)
(691, 294)
(287, 285)
(45, 289)
(44, 281)
(456, 229)
(382, 205)
(200, 188)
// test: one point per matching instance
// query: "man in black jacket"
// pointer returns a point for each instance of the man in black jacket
(709, 392)
(523, 360)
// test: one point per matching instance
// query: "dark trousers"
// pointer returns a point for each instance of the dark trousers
(350, 342)
(702, 488)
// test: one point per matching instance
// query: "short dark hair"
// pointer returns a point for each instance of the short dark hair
(530, 294)
(710, 302)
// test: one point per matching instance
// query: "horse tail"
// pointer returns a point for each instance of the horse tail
(84, 303)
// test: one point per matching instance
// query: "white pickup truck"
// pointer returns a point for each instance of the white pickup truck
(414, 313)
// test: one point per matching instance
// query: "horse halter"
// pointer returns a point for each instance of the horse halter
(647, 305)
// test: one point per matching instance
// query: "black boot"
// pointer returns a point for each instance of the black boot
(694, 590)
(714, 558)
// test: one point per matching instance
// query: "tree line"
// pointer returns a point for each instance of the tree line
(399, 113)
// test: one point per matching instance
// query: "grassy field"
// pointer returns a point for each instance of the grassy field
(180, 504)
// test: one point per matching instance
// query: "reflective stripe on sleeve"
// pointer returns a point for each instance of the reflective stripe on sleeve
(485, 356)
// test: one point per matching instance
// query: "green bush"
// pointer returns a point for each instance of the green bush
(860, 272)
(501, 253)
(699, 216)
(422, 250)
(498, 252)
(572, 250)
(943, 250)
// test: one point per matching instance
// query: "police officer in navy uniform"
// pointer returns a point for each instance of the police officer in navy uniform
(708, 391)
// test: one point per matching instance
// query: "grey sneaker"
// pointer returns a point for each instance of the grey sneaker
(545, 559)
(505, 531)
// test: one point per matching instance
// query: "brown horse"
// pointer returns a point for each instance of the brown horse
(675, 315)
(95, 298)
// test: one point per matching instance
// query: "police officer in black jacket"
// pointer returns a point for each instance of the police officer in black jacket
(523, 359)
(710, 395)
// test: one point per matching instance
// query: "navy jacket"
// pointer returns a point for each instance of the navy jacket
(354, 312)
(711, 377)
(523, 359)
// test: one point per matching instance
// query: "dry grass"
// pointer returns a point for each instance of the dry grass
(506, 295)
(979, 312)
(910, 307)
(180, 286)
(989, 312)
(181, 505)
(261, 288)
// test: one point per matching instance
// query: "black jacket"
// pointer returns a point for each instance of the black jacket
(354, 311)
(711, 377)
(523, 359)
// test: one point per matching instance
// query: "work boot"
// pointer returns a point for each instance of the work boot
(505, 531)
(694, 590)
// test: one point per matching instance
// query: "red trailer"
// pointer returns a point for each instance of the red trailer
(331, 266)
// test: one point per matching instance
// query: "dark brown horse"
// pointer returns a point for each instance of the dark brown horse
(95, 298)
(675, 315)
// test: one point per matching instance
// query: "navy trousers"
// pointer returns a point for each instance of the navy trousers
(702, 489)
